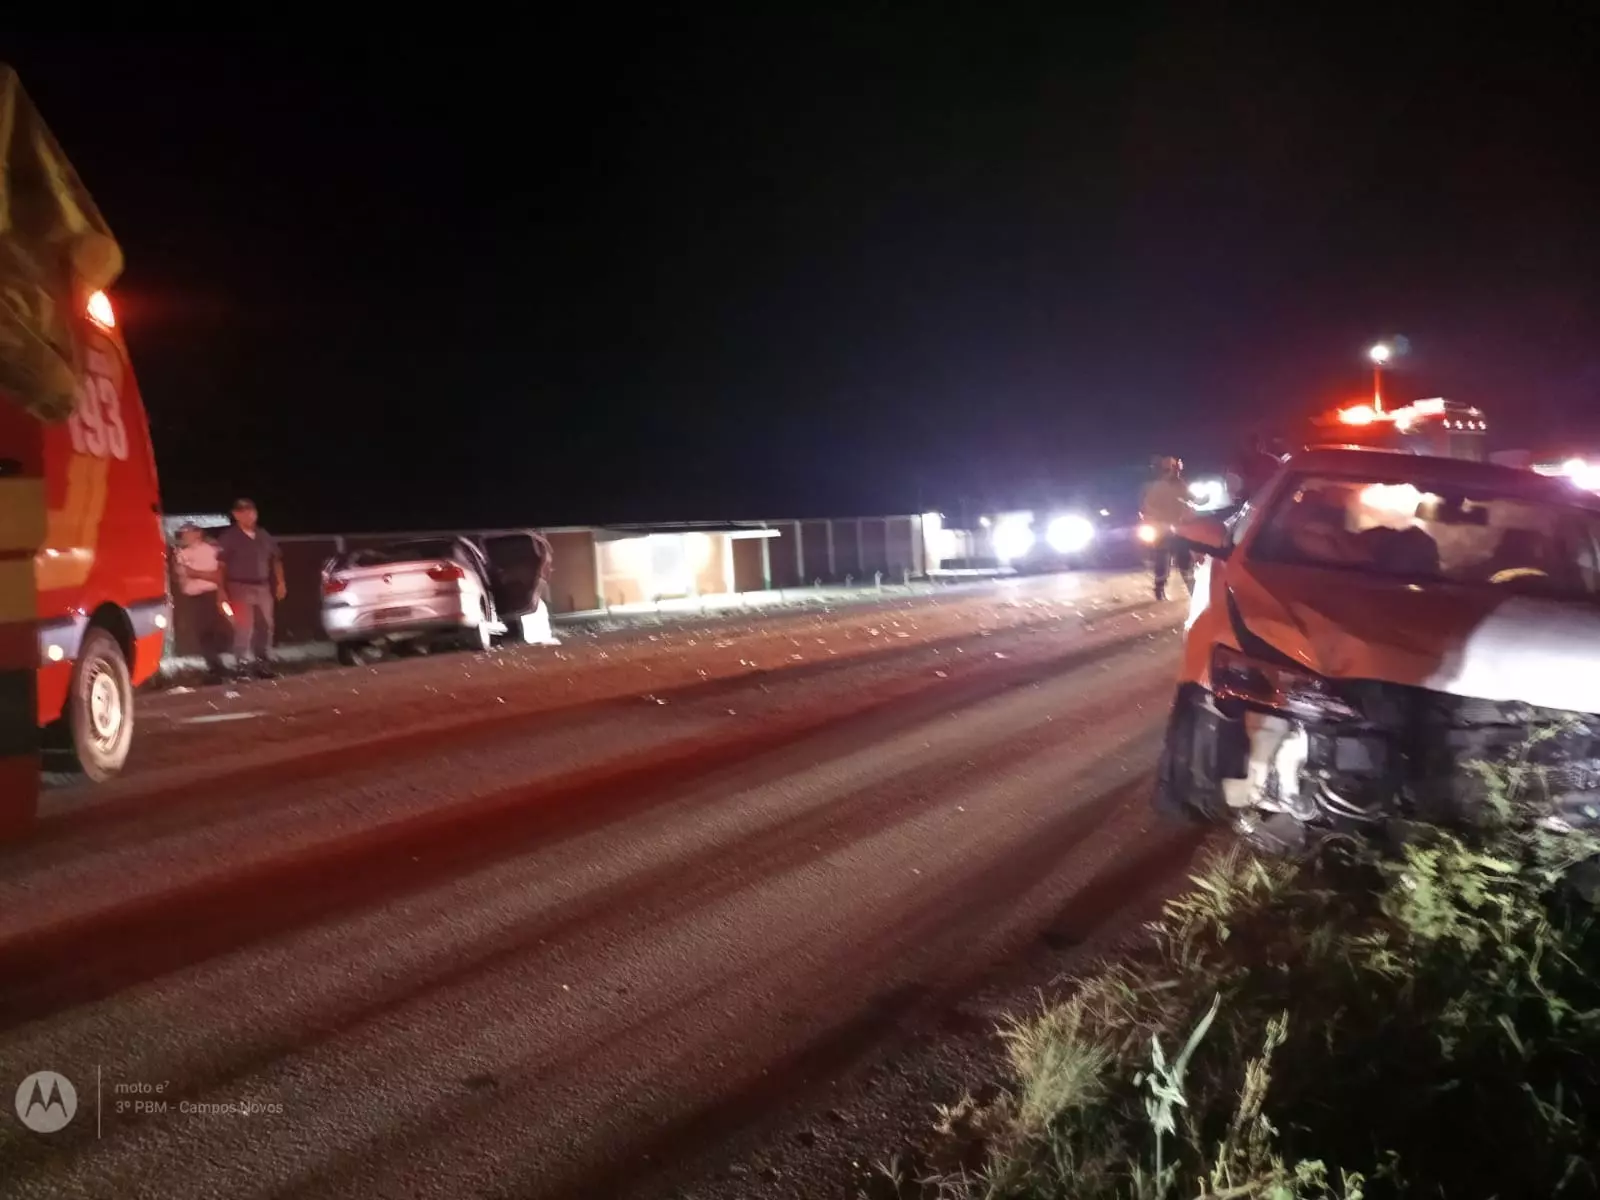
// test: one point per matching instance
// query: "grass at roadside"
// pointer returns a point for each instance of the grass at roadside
(1422, 1022)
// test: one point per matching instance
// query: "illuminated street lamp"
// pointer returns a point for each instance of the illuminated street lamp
(1379, 355)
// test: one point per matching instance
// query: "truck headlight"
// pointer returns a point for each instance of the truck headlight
(1237, 676)
(1069, 534)
(1013, 538)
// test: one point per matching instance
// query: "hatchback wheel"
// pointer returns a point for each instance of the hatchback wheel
(352, 654)
(513, 635)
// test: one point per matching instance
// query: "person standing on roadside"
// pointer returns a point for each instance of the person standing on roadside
(200, 596)
(252, 581)
(1165, 506)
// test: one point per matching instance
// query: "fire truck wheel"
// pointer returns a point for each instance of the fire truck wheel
(100, 707)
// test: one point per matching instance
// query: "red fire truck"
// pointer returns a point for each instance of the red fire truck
(84, 604)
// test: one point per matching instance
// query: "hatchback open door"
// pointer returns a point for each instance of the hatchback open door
(516, 563)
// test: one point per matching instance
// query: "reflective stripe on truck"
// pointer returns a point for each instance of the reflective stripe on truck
(22, 502)
(19, 709)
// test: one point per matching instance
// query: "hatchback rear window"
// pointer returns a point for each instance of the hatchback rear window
(429, 550)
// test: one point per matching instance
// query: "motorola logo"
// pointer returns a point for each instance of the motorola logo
(46, 1102)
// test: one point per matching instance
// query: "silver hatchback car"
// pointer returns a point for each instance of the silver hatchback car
(423, 592)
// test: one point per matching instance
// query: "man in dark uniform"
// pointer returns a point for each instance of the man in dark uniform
(252, 580)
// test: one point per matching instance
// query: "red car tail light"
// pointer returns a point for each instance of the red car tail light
(446, 573)
(333, 585)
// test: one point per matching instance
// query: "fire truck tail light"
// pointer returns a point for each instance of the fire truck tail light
(100, 311)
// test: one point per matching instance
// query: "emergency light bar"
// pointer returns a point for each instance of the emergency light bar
(1405, 418)
(1434, 426)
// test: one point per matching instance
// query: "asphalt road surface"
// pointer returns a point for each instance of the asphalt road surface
(540, 922)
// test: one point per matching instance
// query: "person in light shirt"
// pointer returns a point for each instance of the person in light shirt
(199, 600)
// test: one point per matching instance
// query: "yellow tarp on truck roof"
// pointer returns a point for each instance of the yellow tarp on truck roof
(55, 250)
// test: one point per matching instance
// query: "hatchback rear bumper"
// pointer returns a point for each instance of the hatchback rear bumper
(421, 616)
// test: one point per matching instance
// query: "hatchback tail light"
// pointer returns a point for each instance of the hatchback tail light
(446, 573)
(333, 585)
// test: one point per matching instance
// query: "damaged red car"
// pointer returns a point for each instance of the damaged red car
(1371, 626)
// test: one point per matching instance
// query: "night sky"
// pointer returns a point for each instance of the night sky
(806, 264)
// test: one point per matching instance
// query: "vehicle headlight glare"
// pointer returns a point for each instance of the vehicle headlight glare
(1069, 534)
(1013, 538)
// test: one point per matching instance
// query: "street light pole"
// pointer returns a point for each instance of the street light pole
(1379, 355)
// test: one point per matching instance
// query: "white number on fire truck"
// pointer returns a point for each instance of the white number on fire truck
(96, 421)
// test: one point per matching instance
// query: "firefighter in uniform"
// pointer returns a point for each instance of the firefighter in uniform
(1165, 506)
